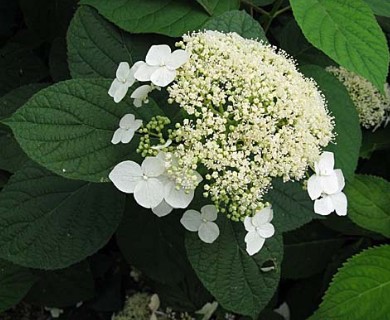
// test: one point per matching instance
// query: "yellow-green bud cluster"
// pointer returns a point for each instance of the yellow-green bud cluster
(373, 107)
(152, 136)
(253, 117)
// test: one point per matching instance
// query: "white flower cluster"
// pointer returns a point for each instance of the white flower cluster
(253, 117)
(373, 107)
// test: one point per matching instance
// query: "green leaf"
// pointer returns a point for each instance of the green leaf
(96, 47)
(15, 281)
(360, 289)
(49, 222)
(19, 66)
(232, 276)
(62, 288)
(12, 156)
(207, 5)
(170, 17)
(291, 204)
(348, 33)
(373, 141)
(154, 245)
(379, 7)
(13, 100)
(308, 250)
(239, 22)
(68, 127)
(369, 203)
(348, 140)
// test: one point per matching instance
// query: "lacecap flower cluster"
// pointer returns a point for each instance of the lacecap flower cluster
(249, 117)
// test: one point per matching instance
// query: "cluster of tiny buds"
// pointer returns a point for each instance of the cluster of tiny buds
(152, 139)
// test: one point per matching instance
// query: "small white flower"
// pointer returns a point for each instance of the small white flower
(140, 95)
(333, 202)
(154, 305)
(283, 310)
(160, 65)
(123, 81)
(208, 310)
(162, 146)
(259, 228)
(54, 312)
(128, 125)
(144, 181)
(326, 179)
(162, 209)
(202, 223)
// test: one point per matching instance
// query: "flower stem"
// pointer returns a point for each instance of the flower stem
(273, 14)
(255, 8)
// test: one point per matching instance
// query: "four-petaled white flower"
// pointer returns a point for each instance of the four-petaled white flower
(259, 228)
(144, 181)
(160, 65)
(202, 222)
(154, 305)
(128, 125)
(325, 187)
(123, 81)
(140, 95)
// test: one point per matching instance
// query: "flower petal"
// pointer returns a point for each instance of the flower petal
(120, 93)
(123, 71)
(117, 137)
(127, 121)
(126, 175)
(330, 183)
(314, 187)
(149, 193)
(153, 167)
(209, 212)
(325, 164)
(177, 198)
(141, 92)
(177, 59)
(115, 85)
(137, 103)
(340, 203)
(162, 209)
(158, 54)
(266, 230)
(254, 242)
(248, 224)
(144, 72)
(208, 232)
(340, 179)
(262, 217)
(191, 220)
(163, 76)
(323, 206)
(127, 135)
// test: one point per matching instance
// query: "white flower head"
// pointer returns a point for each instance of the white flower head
(259, 228)
(202, 222)
(326, 180)
(123, 81)
(140, 95)
(208, 310)
(144, 181)
(160, 65)
(128, 125)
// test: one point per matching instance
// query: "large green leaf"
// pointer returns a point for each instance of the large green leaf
(291, 204)
(15, 281)
(308, 250)
(68, 127)
(380, 7)
(62, 288)
(348, 33)
(49, 222)
(233, 277)
(361, 288)
(154, 245)
(349, 136)
(373, 141)
(12, 156)
(170, 17)
(369, 203)
(239, 22)
(96, 47)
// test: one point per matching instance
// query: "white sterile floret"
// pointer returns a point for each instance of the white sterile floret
(284, 311)
(54, 312)
(373, 107)
(128, 125)
(332, 202)
(259, 228)
(123, 81)
(140, 95)
(162, 209)
(326, 179)
(252, 117)
(144, 181)
(154, 305)
(202, 222)
(160, 65)
(208, 310)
